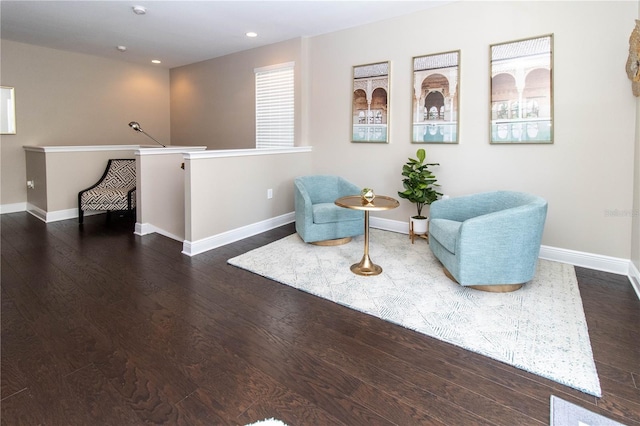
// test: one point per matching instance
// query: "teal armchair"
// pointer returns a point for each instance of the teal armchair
(488, 239)
(318, 219)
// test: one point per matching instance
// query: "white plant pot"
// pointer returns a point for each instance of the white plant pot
(419, 226)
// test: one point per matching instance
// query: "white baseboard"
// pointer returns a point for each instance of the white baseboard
(56, 215)
(598, 262)
(634, 277)
(13, 208)
(144, 229)
(389, 225)
(147, 228)
(192, 248)
(37, 212)
(588, 260)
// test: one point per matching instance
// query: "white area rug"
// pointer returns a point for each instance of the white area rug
(540, 328)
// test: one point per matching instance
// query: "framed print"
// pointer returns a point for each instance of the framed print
(436, 88)
(370, 106)
(8, 109)
(522, 91)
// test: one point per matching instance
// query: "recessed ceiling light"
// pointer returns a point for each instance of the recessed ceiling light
(251, 34)
(121, 48)
(156, 61)
(139, 10)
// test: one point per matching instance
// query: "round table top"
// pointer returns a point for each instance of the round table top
(381, 202)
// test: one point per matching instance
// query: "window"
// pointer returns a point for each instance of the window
(275, 106)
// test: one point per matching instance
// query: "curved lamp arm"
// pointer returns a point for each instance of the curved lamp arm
(136, 126)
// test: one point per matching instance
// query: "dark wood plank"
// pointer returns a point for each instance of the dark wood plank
(100, 326)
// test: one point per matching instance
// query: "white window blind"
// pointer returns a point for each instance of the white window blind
(274, 106)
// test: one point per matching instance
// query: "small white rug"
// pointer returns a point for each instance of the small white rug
(564, 413)
(540, 328)
(268, 422)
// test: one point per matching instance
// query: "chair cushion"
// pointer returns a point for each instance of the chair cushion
(106, 198)
(446, 232)
(329, 213)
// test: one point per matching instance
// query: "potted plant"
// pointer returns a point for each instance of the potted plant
(419, 188)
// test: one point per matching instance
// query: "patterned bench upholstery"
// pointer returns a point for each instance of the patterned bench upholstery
(115, 191)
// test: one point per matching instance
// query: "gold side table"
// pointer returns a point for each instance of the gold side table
(379, 203)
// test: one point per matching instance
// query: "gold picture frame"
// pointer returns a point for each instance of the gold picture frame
(521, 82)
(436, 98)
(370, 103)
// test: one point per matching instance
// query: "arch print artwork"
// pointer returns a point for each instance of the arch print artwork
(522, 91)
(436, 88)
(370, 107)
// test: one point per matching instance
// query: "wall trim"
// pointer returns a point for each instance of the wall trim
(57, 215)
(37, 212)
(192, 248)
(83, 148)
(598, 262)
(389, 225)
(634, 277)
(147, 228)
(221, 153)
(13, 208)
(588, 260)
(169, 149)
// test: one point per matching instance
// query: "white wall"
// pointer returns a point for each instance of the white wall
(585, 174)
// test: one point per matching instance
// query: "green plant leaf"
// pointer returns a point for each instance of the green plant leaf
(419, 182)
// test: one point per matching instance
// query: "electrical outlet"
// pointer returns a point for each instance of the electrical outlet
(30, 184)
(269, 193)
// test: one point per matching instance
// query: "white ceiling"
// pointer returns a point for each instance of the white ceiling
(184, 32)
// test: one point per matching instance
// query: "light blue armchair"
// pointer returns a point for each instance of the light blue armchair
(489, 241)
(318, 219)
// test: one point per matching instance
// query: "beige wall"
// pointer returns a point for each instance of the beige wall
(65, 98)
(36, 166)
(56, 185)
(635, 234)
(160, 191)
(586, 173)
(226, 193)
(64, 182)
(213, 102)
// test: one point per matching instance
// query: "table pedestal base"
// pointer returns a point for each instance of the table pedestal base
(366, 267)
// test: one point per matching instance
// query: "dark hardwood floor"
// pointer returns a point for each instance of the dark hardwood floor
(103, 327)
